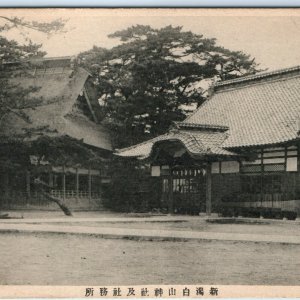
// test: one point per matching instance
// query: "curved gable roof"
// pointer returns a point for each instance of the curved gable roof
(253, 110)
(200, 143)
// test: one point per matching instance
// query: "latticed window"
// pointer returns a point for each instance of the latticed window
(252, 169)
(277, 159)
(225, 167)
(186, 180)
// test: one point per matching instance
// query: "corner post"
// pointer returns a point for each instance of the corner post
(64, 182)
(28, 185)
(51, 179)
(77, 183)
(208, 189)
(90, 183)
(170, 194)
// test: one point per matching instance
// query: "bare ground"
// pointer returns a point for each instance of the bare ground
(44, 259)
(193, 224)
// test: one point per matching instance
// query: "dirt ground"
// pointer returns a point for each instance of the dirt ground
(265, 226)
(57, 259)
(254, 226)
(273, 228)
(50, 214)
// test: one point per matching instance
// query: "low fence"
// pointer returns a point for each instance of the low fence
(67, 194)
(73, 199)
(288, 205)
(273, 209)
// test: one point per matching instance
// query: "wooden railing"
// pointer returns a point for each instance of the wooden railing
(73, 194)
(16, 199)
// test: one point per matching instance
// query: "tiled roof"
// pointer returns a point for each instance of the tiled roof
(201, 126)
(197, 143)
(261, 109)
(256, 114)
(258, 76)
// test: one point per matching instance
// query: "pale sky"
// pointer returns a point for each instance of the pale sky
(271, 36)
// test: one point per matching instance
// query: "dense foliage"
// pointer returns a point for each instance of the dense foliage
(47, 151)
(155, 75)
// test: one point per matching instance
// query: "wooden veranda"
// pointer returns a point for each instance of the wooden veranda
(78, 188)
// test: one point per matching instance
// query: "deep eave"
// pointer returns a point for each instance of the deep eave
(59, 81)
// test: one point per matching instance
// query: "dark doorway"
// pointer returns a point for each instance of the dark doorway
(186, 188)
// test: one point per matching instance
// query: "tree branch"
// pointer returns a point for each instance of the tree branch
(41, 185)
(54, 26)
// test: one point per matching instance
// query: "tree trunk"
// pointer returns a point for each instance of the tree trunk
(42, 186)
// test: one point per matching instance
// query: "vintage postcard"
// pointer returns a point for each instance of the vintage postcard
(150, 153)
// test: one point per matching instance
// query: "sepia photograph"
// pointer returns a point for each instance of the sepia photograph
(149, 147)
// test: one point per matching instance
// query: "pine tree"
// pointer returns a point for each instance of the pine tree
(15, 57)
(154, 75)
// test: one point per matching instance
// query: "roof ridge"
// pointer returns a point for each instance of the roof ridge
(35, 59)
(54, 57)
(202, 126)
(256, 84)
(257, 76)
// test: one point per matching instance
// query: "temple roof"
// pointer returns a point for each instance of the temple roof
(58, 85)
(256, 110)
(196, 144)
(260, 110)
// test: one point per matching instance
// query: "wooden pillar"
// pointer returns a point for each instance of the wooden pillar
(99, 189)
(51, 179)
(54, 180)
(28, 184)
(170, 194)
(261, 179)
(77, 183)
(208, 189)
(64, 183)
(90, 184)
(6, 184)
